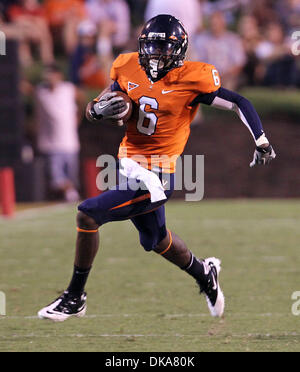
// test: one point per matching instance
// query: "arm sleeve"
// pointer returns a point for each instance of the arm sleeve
(228, 100)
(115, 87)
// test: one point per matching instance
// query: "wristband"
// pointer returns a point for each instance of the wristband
(264, 150)
(94, 115)
(262, 140)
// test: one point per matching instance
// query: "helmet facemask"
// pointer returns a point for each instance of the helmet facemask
(159, 56)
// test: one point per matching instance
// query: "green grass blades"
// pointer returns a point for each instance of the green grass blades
(139, 302)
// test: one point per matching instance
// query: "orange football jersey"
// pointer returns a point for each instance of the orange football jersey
(159, 128)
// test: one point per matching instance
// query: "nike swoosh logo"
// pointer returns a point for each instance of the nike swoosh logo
(164, 183)
(166, 91)
(59, 313)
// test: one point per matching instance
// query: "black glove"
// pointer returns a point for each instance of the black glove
(110, 106)
(263, 156)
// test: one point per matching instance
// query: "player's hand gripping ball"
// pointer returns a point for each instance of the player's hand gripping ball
(114, 106)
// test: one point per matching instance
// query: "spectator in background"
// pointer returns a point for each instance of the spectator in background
(27, 16)
(57, 132)
(113, 21)
(63, 17)
(228, 7)
(251, 37)
(4, 6)
(86, 69)
(274, 53)
(11, 30)
(222, 48)
(263, 11)
(289, 14)
(189, 13)
(137, 11)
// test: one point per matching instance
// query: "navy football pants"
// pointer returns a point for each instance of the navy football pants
(119, 204)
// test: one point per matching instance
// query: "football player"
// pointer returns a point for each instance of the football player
(167, 92)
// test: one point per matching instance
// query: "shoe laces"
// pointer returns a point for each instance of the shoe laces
(207, 287)
(68, 301)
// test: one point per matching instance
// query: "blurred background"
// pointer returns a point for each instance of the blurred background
(58, 57)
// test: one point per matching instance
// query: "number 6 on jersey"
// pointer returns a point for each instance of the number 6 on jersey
(216, 77)
(152, 118)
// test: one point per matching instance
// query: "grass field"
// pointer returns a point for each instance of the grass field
(139, 302)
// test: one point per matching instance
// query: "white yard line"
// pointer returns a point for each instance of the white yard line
(152, 335)
(142, 315)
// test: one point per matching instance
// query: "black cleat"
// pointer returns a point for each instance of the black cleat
(213, 293)
(64, 307)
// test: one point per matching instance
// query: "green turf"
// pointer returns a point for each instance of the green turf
(139, 302)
